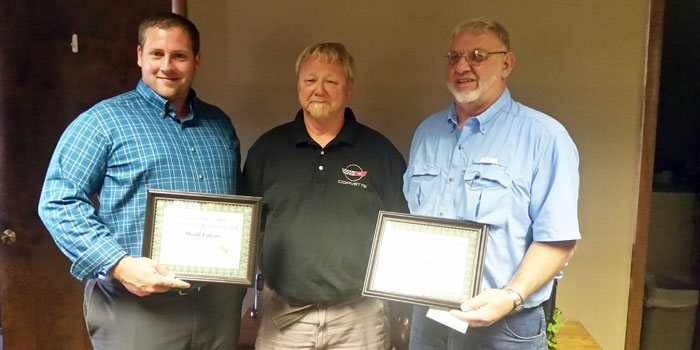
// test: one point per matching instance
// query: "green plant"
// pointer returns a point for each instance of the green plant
(553, 327)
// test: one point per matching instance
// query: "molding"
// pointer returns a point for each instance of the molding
(635, 304)
(180, 7)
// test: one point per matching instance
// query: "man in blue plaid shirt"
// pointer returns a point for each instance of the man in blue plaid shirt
(158, 136)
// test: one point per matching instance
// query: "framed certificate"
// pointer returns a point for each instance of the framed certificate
(426, 260)
(203, 237)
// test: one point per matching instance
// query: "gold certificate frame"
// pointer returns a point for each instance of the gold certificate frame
(426, 260)
(203, 237)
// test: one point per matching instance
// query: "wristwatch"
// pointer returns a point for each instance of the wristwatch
(517, 300)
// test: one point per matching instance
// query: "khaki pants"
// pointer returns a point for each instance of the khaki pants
(360, 324)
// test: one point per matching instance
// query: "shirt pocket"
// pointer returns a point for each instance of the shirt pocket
(422, 180)
(487, 192)
(217, 157)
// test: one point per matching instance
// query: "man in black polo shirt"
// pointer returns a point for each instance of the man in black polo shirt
(323, 178)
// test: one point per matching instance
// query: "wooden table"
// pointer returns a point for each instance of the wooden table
(573, 336)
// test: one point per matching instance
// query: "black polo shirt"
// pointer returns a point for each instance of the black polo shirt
(320, 205)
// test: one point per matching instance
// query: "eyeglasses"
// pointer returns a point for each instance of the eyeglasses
(474, 56)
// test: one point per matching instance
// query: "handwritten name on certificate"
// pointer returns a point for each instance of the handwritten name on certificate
(420, 263)
(201, 238)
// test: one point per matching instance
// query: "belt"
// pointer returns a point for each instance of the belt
(299, 309)
(194, 289)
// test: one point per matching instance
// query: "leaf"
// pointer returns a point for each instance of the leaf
(553, 327)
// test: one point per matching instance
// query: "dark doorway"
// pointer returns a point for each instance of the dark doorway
(44, 85)
(677, 165)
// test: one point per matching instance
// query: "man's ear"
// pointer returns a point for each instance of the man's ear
(138, 54)
(197, 60)
(508, 64)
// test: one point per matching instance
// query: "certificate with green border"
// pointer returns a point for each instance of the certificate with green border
(426, 260)
(203, 237)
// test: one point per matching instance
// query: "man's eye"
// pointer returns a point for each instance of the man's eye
(477, 56)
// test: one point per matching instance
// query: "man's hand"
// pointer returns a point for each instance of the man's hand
(542, 261)
(486, 308)
(143, 276)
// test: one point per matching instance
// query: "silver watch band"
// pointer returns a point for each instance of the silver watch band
(517, 300)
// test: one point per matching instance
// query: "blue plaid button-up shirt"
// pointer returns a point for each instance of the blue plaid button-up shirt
(118, 149)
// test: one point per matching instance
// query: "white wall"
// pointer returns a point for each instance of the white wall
(579, 61)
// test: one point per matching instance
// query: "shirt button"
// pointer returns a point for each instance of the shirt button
(162, 114)
(452, 180)
(201, 176)
(442, 214)
(320, 167)
(193, 149)
(322, 153)
(459, 147)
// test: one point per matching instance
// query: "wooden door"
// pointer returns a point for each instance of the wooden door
(43, 87)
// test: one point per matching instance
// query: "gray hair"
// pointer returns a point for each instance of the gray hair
(480, 26)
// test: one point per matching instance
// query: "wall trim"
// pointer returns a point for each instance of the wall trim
(635, 304)
(180, 7)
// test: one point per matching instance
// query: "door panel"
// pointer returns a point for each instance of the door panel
(43, 87)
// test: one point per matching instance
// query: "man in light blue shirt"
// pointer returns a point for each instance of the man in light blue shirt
(492, 160)
(158, 136)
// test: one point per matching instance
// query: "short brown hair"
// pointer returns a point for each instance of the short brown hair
(329, 52)
(170, 20)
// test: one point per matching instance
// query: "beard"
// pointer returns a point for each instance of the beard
(318, 110)
(471, 96)
(464, 96)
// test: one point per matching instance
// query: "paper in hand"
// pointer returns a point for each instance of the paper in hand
(446, 318)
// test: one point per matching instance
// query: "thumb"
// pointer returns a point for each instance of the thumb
(178, 283)
(170, 281)
(473, 303)
(168, 278)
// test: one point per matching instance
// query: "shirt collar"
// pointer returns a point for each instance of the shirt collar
(347, 134)
(162, 103)
(483, 120)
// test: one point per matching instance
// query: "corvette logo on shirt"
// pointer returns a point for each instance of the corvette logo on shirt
(353, 173)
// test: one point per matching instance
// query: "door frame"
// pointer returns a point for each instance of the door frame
(180, 7)
(645, 175)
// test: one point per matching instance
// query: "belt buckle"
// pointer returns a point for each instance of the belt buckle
(188, 291)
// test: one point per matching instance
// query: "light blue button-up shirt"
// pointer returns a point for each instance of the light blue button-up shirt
(118, 149)
(511, 167)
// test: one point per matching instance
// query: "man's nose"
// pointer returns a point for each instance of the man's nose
(462, 65)
(319, 89)
(167, 64)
